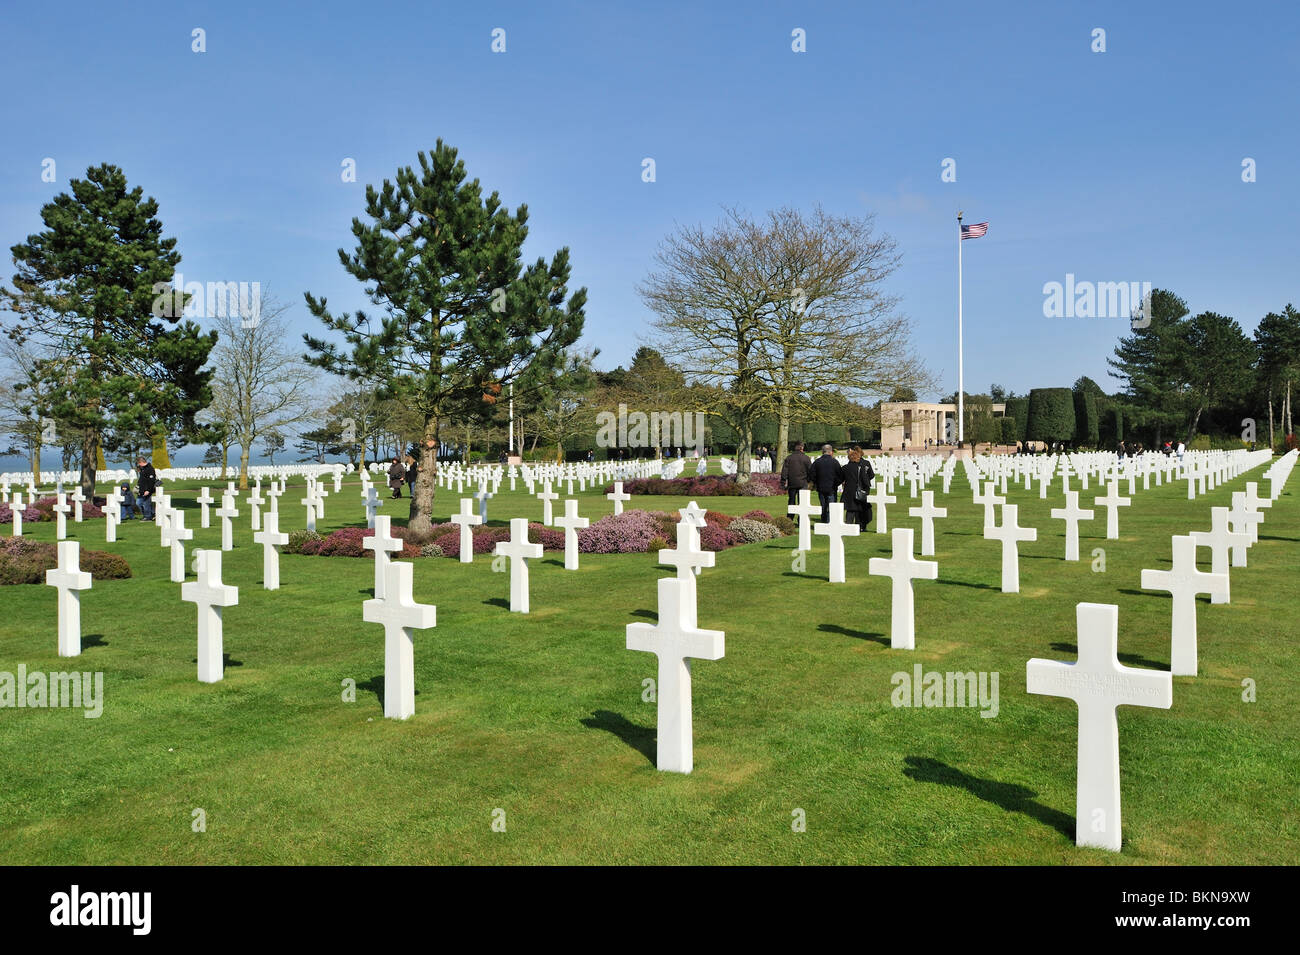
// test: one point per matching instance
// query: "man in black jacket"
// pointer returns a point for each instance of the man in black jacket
(827, 476)
(795, 473)
(148, 482)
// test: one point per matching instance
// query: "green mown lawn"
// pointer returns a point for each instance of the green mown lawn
(542, 715)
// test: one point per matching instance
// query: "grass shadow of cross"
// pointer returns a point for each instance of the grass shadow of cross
(1009, 796)
(1131, 659)
(640, 738)
(376, 686)
(860, 634)
(93, 640)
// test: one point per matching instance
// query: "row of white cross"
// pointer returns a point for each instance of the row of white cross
(1097, 681)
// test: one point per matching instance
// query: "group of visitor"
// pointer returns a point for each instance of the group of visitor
(827, 476)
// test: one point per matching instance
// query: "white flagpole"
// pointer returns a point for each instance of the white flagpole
(961, 380)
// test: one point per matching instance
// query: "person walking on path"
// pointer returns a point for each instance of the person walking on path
(826, 477)
(857, 476)
(396, 475)
(796, 472)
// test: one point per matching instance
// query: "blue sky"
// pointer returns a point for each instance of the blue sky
(1115, 166)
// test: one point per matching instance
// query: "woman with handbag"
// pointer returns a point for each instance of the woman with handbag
(857, 477)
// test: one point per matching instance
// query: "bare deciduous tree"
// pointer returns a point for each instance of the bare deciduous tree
(259, 384)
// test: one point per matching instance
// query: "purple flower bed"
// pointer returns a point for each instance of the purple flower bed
(759, 485)
(24, 561)
(347, 542)
(485, 540)
(626, 533)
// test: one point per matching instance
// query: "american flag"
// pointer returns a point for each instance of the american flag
(975, 230)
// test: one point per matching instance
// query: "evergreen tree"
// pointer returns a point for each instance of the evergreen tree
(93, 290)
(461, 319)
(1151, 362)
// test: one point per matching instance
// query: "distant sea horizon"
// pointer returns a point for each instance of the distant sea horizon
(189, 457)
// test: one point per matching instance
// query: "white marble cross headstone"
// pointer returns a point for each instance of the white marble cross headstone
(805, 510)
(989, 499)
(687, 558)
(835, 531)
(1112, 502)
(571, 523)
(255, 502)
(519, 550)
(174, 536)
(547, 497)
(1184, 582)
(16, 512)
(1220, 540)
(210, 595)
(466, 520)
(1072, 514)
(695, 517)
(269, 537)
(618, 497)
(1098, 683)
(1244, 517)
(902, 568)
(400, 614)
(927, 512)
(373, 503)
(483, 496)
(69, 579)
(61, 509)
(227, 511)
(308, 502)
(78, 499)
(112, 515)
(879, 498)
(675, 640)
(1011, 534)
(382, 543)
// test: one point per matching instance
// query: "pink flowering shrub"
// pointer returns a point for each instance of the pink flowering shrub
(24, 561)
(717, 517)
(626, 533)
(759, 485)
(485, 540)
(715, 538)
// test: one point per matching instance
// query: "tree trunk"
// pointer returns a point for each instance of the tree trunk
(225, 457)
(783, 430)
(243, 466)
(34, 452)
(89, 457)
(420, 521)
(1191, 432)
(1290, 429)
(1271, 442)
(744, 463)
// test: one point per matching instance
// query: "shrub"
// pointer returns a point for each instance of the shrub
(718, 518)
(657, 544)
(753, 531)
(713, 537)
(785, 525)
(626, 533)
(25, 561)
(430, 550)
(759, 485)
(758, 516)
(297, 539)
(105, 566)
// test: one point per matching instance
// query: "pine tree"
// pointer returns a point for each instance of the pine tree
(1151, 363)
(461, 319)
(87, 289)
